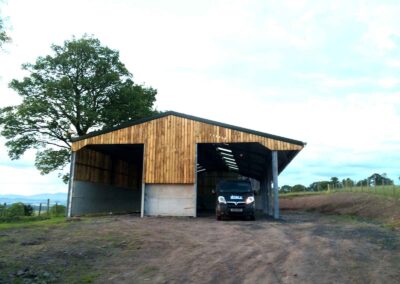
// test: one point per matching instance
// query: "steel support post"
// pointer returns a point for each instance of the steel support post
(275, 179)
(71, 184)
(269, 194)
(263, 191)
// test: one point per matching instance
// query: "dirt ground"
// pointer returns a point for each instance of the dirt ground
(303, 247)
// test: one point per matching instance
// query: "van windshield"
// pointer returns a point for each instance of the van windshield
(234, 186)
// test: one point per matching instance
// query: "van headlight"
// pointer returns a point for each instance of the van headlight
(250, 200)
(221, 199)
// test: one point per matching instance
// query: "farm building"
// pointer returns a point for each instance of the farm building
(168, 165)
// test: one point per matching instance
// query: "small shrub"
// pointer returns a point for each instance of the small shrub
(19, 209)
(28, 210)
(15, 210)
(3, 210)
(58, 210)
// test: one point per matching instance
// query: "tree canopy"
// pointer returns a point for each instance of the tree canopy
(375, 180)
(3, 35)
(334, 183)
(82, 86)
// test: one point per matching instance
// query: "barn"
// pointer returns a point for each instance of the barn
(168, 165)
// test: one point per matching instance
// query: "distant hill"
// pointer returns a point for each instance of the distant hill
(60, 198)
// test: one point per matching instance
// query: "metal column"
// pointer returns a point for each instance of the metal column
(264, 197)
(275, 179)
(269, 194)
(71, 184)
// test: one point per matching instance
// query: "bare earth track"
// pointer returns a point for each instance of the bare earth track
(301, 248)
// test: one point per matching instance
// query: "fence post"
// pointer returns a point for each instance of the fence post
(56, 208)
(5, 209)
(40, 208)
(48, 207)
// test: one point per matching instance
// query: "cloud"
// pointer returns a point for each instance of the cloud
(382, 31)
(330, 81)
(21, 176)
(393, 62)
(318, 71)
(28, 181)
(388, 83)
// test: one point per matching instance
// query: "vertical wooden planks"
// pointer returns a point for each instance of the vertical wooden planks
(169, 151)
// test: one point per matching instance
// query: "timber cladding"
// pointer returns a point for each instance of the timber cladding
(170, 142)
(97, 167)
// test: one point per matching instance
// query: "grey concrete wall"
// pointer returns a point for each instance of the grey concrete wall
(170, 200)
(88, 197)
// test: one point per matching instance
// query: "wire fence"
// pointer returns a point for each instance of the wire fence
(392, 191)
(39, 208)
(389, 191)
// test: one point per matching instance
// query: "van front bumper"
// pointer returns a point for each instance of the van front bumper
(238, 209)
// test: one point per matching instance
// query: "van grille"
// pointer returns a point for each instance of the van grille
(234, 204)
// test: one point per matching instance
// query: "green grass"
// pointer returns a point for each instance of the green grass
(149, 270)
(31, 222)
(22, 219)
(392, 225)
(89, 278)
(302, 193)
(390, 191)
(349, 218)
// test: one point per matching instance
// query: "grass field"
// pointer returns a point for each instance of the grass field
(389, 190)
(30, 221)
(381, 205)
(302, 193)
(392, 191)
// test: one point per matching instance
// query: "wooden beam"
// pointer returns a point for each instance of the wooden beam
(143, 185)
(195, 180)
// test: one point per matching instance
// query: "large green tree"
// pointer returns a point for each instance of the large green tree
(3, 34)
(82, 86)
(335, 182)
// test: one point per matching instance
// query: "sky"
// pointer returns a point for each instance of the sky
(323, 72)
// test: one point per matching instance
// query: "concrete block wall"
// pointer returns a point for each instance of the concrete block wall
(170, 200)
(88, 197)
